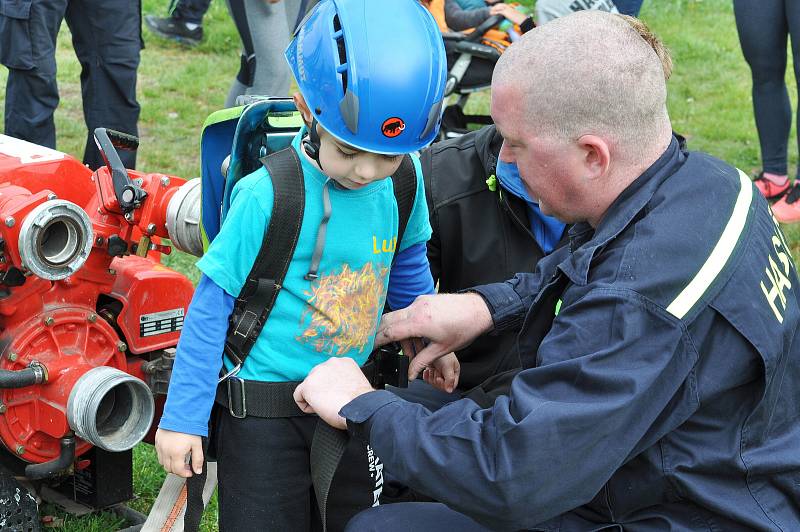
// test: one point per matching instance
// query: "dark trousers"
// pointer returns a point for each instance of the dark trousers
(764, 28)
(106, 35)
(190, 10)
(629, 7)
(265, 481)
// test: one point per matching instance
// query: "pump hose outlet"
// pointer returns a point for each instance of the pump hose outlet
(183, 219)
(110, 409)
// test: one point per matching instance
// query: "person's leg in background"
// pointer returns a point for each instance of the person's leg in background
(184, 24)
(271, 32)
(629, 7)
(28, 50)
(106, 35)
(191, 11)
(787, 209)
(763, 35)
(265, 29)
(247, 66)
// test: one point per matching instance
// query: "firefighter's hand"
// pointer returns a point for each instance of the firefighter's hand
(174, 448)
(448, 322)
(443, 373)
(329, 387)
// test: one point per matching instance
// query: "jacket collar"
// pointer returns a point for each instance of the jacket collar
(586, 241)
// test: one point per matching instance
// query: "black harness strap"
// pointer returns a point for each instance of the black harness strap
(263, 283)
(327, 448)
(404, 181)
(194, 495)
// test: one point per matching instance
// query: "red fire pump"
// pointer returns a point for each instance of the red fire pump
(89, 317)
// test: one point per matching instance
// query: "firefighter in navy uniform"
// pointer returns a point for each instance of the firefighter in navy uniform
(106, 35)
(660, 387)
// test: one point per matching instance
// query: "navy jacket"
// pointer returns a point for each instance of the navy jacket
(665, 393)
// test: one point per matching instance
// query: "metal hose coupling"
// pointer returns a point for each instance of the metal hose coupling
(55, 239)
(110, 409)
(183, 219)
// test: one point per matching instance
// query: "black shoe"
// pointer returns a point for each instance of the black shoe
(174, 29)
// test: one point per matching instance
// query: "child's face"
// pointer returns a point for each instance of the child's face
(352, 168)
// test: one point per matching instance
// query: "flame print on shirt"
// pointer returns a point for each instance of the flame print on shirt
(342, 309)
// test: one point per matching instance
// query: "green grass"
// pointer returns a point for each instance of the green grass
(178, 87)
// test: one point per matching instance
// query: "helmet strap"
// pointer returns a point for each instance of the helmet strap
(311, 143)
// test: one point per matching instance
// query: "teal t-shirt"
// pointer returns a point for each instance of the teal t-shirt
(337, 314)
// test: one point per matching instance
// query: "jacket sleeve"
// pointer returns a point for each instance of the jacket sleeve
(461, 19)
(611, 364)
(509, 301)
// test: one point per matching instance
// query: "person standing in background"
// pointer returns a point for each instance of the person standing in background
(106, 35)
(764, 28)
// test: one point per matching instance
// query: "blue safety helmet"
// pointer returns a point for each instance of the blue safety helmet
(372, 72)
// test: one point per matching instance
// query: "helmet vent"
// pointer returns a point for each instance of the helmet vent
(338, 36)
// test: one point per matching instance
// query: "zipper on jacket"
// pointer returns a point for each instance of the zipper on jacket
(507, 207)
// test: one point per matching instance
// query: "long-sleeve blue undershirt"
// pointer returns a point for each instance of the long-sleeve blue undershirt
(198, 360)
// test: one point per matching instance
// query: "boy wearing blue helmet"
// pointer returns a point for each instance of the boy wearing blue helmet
(371, 77)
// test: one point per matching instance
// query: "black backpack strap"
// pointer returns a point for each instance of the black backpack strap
(264, 281)
(405, 192)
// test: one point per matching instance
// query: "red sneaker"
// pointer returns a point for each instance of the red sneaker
(769, 189)
(787, 209)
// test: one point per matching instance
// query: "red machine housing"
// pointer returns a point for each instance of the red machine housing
(121, 309)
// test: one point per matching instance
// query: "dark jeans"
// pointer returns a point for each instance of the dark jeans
(106, 35)
(265, 481)
(190, 10)
(764, 27)
(629, 7)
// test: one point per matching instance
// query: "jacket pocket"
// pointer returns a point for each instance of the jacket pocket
(16, 50)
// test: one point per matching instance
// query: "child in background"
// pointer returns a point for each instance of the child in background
(361, 66)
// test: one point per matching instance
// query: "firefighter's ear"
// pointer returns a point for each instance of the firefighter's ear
(595, 156)
(302, 106)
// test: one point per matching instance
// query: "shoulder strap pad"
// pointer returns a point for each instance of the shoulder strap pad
(264, 281)
(405, 191)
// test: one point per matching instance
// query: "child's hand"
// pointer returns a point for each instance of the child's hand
(443, 373)
(172, 449)
(508, 12)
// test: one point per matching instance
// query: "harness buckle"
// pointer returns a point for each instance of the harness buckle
(240, 398)
(232, 373)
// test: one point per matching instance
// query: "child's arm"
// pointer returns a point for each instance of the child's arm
(410, 276)
(194, 377)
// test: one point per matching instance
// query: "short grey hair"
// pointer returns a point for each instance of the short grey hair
(590, 73)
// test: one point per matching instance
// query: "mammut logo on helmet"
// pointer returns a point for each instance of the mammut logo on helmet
(392, 127)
